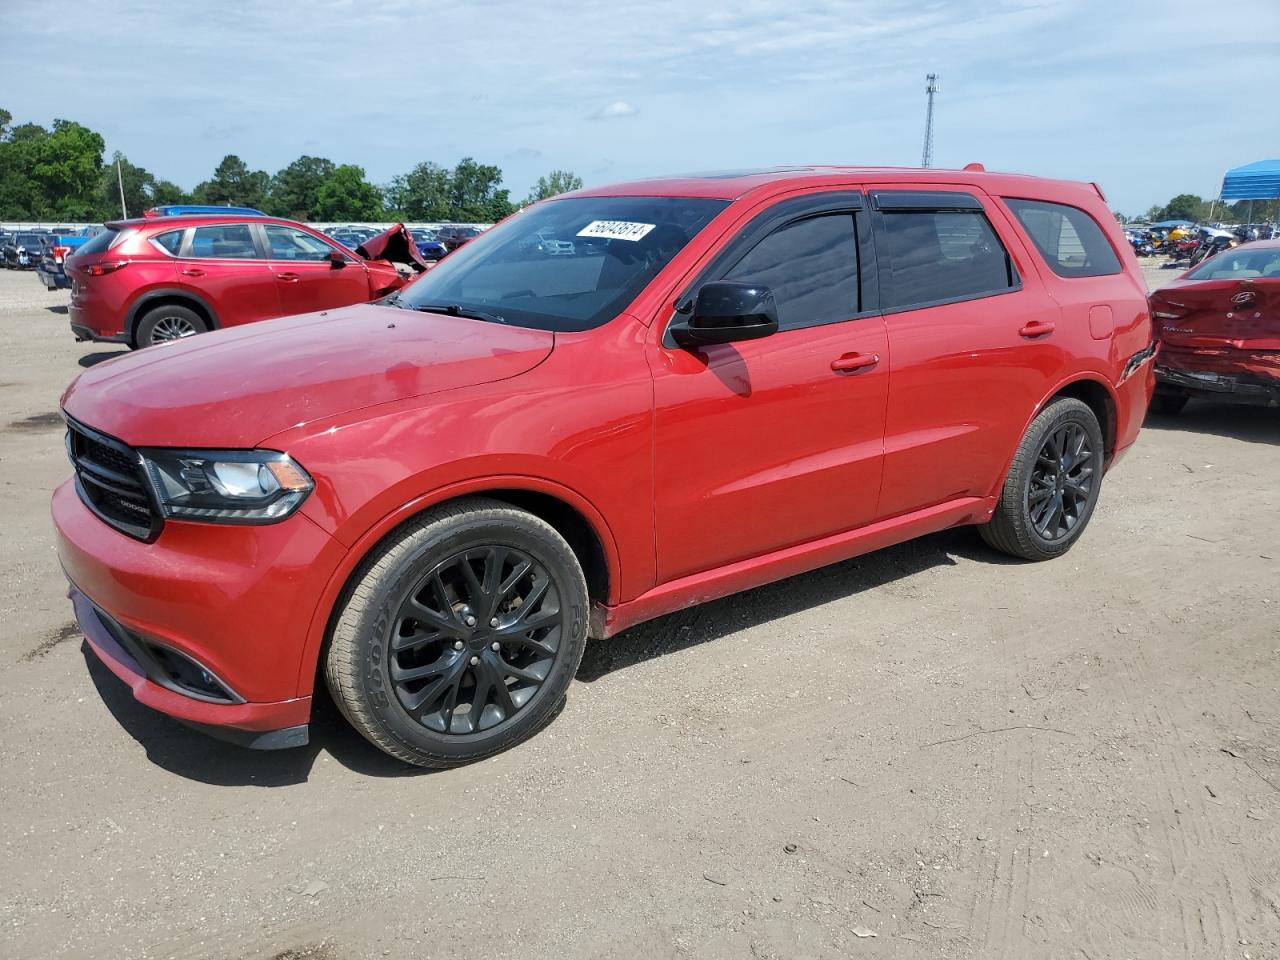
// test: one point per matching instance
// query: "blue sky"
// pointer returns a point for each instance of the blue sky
(1148, 99)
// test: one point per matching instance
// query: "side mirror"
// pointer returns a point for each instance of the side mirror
(336, 260)
(725, 312)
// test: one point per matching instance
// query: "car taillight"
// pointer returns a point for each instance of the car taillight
(104, 267)
(60, 253)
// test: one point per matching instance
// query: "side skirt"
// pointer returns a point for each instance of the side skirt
(745, 574)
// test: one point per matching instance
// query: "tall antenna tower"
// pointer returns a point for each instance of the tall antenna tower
(930, 88)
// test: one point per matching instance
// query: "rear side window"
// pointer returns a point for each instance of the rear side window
(1070, 240)
(810, 266)
(170, 240)
(937, 256)
(224, 241)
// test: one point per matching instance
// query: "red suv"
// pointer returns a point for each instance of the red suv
(141, 282)
(432, 501)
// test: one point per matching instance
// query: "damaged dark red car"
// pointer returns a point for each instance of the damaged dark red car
(147, 281)
(1219, 327)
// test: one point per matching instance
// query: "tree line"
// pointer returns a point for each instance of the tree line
(60, 173)
(1190, 206)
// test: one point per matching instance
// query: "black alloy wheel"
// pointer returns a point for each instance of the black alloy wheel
(460, 635)
(474, 640)
(1061, 484)
(1052, 485)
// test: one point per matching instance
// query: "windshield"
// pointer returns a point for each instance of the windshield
(606, 251)
(29, 239)
(1240, 264)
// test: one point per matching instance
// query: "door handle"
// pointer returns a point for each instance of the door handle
(193, 272)
(854, 361)
(287, 277)
(1037, 328)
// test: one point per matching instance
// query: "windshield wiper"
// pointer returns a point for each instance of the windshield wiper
(457, 310)
(394, 300)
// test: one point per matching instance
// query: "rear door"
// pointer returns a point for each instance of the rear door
(306, 280)
(225, 264)
(970, 345)
(764, 444)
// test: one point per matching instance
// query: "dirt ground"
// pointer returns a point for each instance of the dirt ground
(928, 752)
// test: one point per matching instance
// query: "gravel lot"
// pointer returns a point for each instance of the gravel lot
(927, 752)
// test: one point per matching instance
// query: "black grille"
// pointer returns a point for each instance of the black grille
(110, 480)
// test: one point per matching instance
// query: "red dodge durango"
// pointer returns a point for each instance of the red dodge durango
(430, 502)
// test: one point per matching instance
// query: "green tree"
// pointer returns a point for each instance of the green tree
(66, 166)
(476, 194)
(1185, 206)
(234, 184)
(166, 191)
(346, 195)
(294, 189)
(424, 193)
(554, 183)
(139, 188)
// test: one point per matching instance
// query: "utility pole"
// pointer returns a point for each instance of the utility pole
(124, 213)
(930, 88)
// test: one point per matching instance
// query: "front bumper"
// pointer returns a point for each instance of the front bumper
(237, 601)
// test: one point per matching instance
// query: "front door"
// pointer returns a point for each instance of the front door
(306, 279)
(764, 444)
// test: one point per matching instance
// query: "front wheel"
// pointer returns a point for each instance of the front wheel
(461, 635)
(1052, 486)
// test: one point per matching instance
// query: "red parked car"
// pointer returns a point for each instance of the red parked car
(432, 501)
(145, 281)
(1219, 330)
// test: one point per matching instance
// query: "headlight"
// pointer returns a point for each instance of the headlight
(226, 486)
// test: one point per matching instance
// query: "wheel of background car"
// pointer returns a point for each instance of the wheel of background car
(1052, 486)
(1168, 403)
(461, 636)
(169, 322)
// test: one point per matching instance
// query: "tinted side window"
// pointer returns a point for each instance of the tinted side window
(290, 243)
(171, 241)
(812, 268)
(1070, 240)
(938, 255)
(225, 241)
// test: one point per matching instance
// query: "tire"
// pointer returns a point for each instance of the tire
(168, 322)
(1052, 488)
(1168, 404)
(418, 703)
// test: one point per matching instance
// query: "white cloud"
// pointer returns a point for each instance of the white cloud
(619, 108)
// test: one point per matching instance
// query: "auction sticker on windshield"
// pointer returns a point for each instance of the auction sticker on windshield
(615, 229)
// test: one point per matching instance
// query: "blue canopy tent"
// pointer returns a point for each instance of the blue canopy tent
(1172, 223)
(1253, 181)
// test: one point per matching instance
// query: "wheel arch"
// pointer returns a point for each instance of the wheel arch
(1100, 398)
(572, 516)
(168, 296)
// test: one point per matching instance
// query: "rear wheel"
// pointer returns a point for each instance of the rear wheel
(1169, 403)
(1052, 486)
(169, 322)
(461, 635)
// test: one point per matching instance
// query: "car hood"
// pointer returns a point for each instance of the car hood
(234, 388)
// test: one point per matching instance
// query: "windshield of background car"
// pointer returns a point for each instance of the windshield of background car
(565, 265)
(29, 240)
(1243, 264)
